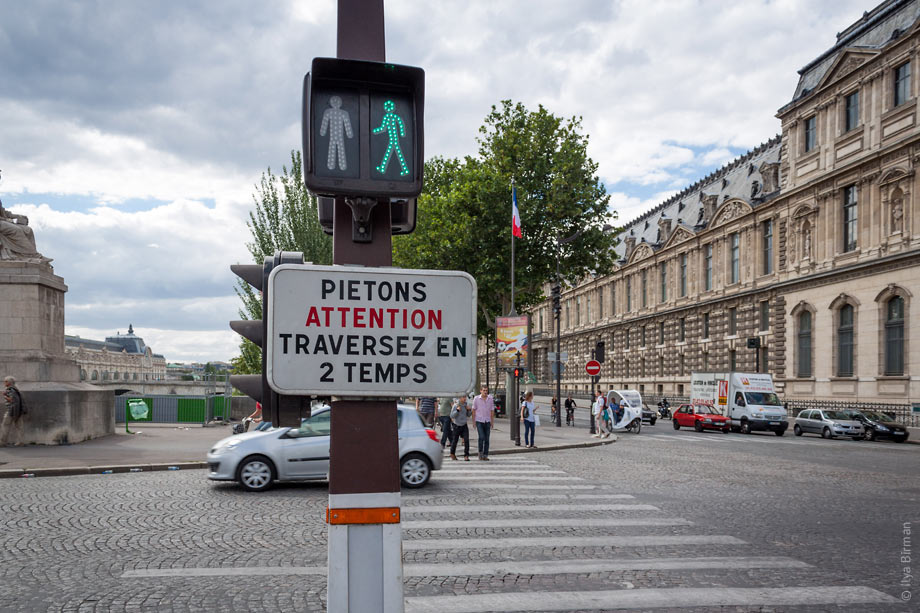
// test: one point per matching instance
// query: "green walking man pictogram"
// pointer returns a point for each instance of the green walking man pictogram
(394, 127)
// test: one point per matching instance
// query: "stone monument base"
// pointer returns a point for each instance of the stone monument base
(59, 408)
(60, 414)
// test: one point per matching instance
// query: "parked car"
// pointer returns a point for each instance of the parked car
(257, 459)
(879, 425)
(700, 417)
(828, 424)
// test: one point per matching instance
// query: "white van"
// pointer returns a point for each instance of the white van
(748, 399)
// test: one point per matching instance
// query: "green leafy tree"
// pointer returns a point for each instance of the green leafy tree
(464, 217)
(284, 219)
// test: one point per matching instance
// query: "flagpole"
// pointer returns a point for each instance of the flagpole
(513, 195)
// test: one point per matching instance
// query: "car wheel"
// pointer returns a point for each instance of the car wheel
(797, 430)
(779, 432)
(676, 425)
(414, 470)
(256, 473)
(726, 430)
(698, 426)
(826, 433)
(745, 427)
(652, 421)
(870, 434)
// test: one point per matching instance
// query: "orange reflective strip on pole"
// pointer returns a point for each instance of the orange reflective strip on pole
(379, 515)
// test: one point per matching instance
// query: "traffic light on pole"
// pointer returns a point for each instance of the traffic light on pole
(557, 293)
(255, 330)
(517, 373)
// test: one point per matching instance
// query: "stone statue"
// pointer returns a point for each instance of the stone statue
(897, 215)
(806, 242)
(17, 242)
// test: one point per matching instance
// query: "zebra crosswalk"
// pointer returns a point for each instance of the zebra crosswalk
(507, 522)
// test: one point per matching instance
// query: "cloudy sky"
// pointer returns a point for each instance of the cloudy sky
(132, 133)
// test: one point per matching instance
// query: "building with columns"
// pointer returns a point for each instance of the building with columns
(122, 357)
(809, 243)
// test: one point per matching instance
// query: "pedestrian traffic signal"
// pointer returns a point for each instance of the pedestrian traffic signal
(517, 373)
(363, 128)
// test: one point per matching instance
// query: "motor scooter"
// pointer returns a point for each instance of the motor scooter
(664, 410)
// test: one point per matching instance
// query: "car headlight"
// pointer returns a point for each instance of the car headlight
(881, 428)
(229, 446)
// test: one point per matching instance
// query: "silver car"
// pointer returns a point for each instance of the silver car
(258, 458)
(828, 424)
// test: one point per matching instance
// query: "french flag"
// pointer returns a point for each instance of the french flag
(515, 215)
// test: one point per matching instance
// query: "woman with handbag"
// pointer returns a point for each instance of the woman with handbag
(528, 416)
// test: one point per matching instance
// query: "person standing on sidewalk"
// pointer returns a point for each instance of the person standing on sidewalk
(425, 407)
(444, 420)
(484, 415)
(459, 415)
(599, 424)
(527, 415)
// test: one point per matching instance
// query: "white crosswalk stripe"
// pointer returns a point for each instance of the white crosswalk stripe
(536, 497)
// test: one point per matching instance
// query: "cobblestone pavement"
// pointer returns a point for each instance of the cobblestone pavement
(658, 521)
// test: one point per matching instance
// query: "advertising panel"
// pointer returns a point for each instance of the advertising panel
(511, 338)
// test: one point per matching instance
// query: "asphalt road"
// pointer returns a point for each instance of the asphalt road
(658, 521)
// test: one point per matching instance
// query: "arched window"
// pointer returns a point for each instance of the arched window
(894, 337)
(82, 374)
(95, 375)
(845, 341)
(804, 345)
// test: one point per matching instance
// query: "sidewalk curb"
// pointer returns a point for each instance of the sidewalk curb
(66, 471)
(581, 445)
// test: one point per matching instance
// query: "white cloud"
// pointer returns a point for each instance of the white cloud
(189, 110)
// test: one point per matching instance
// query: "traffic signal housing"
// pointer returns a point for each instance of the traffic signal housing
(557, 295)
(517, 372)
(363, 129)
(278, 410)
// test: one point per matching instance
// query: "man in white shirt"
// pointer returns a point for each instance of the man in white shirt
(599, 423)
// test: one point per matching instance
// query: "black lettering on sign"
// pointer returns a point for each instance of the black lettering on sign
(328, 286)
(420, 295)
(402, 371)
(365, 373)
(384, 373)
(459, 347)
(369, 345)
(284, 341)
(386, 345)
(420, 375)
(442, 347)
(326, 377)
(349, 366)
(418, 352)
(302, 342)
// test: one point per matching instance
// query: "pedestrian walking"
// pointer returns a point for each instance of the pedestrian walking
(444, 407)
(528, 410)
(425, 407)
(569, 411)
(460, 414)
(554, 406)
(484, 416)
(599, 423)
(12, 400)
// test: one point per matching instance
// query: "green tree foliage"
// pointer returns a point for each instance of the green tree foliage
(464, 216)
(284, 219)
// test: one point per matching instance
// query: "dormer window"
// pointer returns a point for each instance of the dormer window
(851, 118)
(810, 135)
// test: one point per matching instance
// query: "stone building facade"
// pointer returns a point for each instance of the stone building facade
(809, 243)
(122, 357)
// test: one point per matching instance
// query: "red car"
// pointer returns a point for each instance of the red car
(700, 417)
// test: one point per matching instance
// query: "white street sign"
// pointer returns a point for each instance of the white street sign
(378, 332)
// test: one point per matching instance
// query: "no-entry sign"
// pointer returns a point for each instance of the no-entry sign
(349, 331)
(593, 368)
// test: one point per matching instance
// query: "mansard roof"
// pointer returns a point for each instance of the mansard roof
(876, 29)
(735, 180)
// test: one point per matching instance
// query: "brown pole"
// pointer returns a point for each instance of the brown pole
(365, 565)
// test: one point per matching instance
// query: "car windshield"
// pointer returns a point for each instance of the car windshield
(874, 416)
(702, 409)
(844, 415)
(766, 398)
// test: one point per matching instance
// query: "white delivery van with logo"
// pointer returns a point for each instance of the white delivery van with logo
(748, 399)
